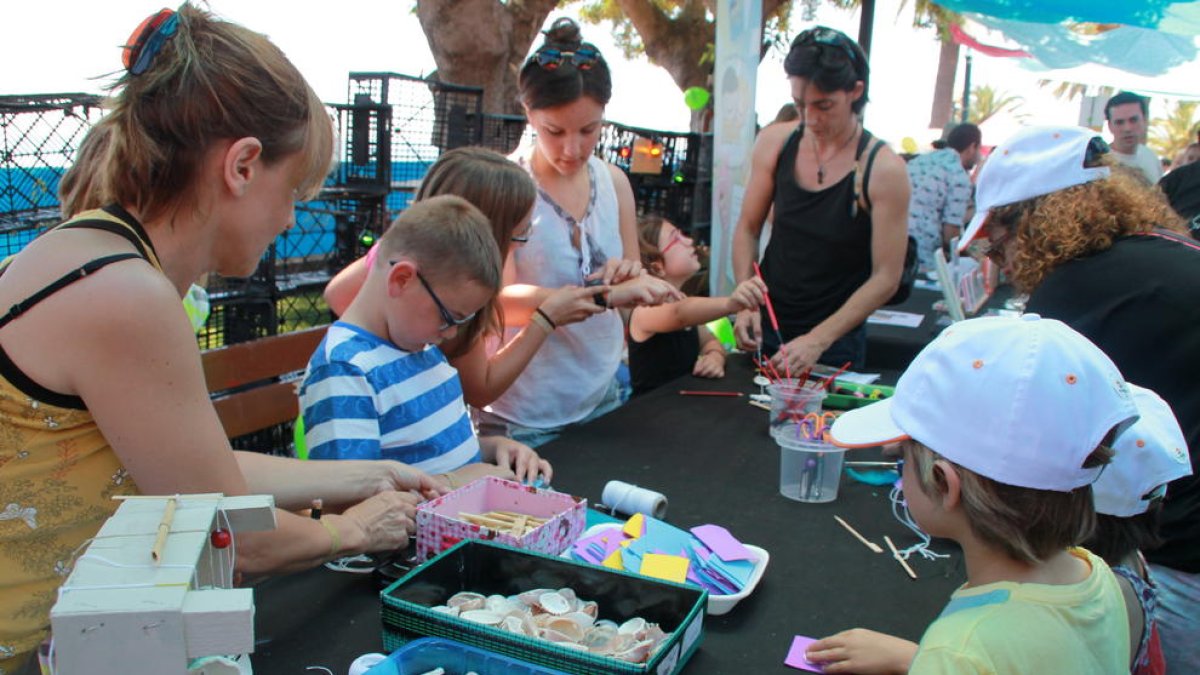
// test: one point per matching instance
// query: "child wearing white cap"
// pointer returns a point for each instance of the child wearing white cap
(1004, 425)
(1128, 497)
(1108, 257)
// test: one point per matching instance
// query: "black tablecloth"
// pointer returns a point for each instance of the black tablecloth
(713, 459)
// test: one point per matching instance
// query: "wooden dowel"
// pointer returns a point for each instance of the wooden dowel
(164, 528)
(899, 559)
(866, 542)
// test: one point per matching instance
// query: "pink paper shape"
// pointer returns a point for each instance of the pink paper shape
(795, 657)
(719, 541)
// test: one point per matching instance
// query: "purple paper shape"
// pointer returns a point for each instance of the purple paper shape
(795, 657)
(596, 548)
(720, 541)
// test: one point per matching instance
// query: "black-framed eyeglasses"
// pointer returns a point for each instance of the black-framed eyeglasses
(550, 58)
(830, 37)
(448, 319)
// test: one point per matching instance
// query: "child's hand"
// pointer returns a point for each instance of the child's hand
(862, 651)
(571, 304)
(617, 270)
(710, 364)
(642, 291)
(747, 327)
(520, 458)
(472, 472)
(750, 294)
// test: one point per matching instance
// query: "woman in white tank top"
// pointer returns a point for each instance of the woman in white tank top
(584, 230)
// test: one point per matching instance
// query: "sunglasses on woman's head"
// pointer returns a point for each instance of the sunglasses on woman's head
(583, 58)
(827, 36)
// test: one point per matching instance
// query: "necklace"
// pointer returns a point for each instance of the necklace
(817, 154)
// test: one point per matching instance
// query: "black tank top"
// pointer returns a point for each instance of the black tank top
(820, 248)
(119, 222)
(662, 358)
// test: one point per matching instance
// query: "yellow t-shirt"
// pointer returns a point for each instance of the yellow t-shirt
(1012, 628)
(57, 479)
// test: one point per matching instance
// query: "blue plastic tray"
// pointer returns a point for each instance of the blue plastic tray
(423, 655)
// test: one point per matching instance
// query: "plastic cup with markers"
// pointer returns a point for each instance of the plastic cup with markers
(791, 403)
(810, 467)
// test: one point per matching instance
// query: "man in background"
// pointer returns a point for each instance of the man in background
(1126, 114)
(941, 191)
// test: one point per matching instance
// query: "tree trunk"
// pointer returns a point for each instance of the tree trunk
(483, 43)
(943, 90)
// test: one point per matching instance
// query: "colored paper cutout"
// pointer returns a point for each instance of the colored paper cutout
(721, 542)
(613, 561)
(796, 658)
(635, 526)
(662, 566)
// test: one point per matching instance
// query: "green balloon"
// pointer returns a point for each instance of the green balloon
(696, 97)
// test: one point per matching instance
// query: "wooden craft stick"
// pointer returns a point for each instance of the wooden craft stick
(164, 528)
(134, 498)
(896, 555)
(759, 404)
(707, 392)
(866, 542)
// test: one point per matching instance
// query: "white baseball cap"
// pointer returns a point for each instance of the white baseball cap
(1021, 400)
(1151, 453)
(1034, 162)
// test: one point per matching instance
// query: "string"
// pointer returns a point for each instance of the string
(900, 511)
(628, 498)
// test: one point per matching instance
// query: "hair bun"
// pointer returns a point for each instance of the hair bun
(563, 33)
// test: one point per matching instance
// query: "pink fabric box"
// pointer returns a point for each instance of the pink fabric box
(439, 526)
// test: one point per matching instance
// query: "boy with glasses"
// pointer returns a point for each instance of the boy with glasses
(379, 387)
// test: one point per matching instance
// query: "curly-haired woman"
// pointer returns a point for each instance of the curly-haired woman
(1110, 258)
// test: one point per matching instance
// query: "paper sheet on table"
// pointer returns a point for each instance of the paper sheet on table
(891, 317)
(668, 567)
(721, 542)
(795, 657)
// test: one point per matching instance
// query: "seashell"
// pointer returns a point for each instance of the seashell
(590, 608)
(528, 626)
(564, 625)
(635, 626)
(654, 633)
(599, 638)
(555, 636)
(467, 601)
(606, 623)
(619, 643)
(482, 616)
(530, 598)
(496, 603)
(445, 609)
(554, 603)
(513, 624)
(638, 653)
(572, 645)
(584, 621)
(568, 594)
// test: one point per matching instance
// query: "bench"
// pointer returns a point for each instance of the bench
(253, 384)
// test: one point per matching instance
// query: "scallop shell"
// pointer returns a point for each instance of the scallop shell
(585, 621)
(482, 616)
(530, 598)
(445, 609)
(564, 626)
(467, 601)
(635, 626)
(590, 608)
(637, 653)
(554, 603)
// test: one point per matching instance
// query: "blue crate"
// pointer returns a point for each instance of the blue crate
(423, 655)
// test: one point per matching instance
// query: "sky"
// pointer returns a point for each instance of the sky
(70, 45)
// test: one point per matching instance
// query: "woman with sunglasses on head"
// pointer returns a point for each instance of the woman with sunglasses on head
(211, 137)
(841, 213)
(584, 231)
(505, 194)
(1099, 251)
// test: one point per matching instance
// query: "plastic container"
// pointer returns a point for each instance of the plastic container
(717, 604)
(426, 654)
(809, 471)
(844, 395)
(791, 402)
(487, 568)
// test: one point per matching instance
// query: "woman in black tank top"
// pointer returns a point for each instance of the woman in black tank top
(840, 213)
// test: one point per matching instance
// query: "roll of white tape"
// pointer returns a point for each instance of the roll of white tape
(630, 499)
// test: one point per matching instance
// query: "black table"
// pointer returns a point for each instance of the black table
(713, 459)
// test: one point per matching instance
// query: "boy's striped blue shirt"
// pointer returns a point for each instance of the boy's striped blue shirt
(364, 398)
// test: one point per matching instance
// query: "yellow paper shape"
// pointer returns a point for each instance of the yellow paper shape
(613, 561)
(635, 526)
(668, 567)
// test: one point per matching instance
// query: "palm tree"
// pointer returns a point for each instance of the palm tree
(1170, 134)
(987, 103)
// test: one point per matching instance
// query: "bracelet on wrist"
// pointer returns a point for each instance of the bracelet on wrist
(539, 313)
(335, 539)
